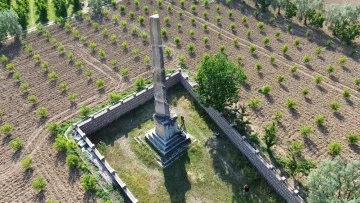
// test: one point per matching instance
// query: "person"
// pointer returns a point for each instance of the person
(246, 188)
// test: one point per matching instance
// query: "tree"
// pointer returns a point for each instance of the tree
(343, 20)
(5, 5)
(77, 5)
(264, 4)
(290, 10)
(306, 7)
(219, 81)
(279, 4)
(270, 137)
(335, 180)
(9, 25)
(22, 9)
(41, 9)
(72, 161)
(96, 6)
(60, 8)
(316, 19)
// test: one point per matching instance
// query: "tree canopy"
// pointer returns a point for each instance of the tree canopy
(306, 7)
(335, 181)
(22, 9)
(219, 81)
(9, 24)
(96, 5)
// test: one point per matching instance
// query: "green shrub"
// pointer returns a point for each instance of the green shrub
(88, 182)
(334, 148)
(191, 48)
(318, 51)
(318, 79)
(42, 112)
(297, 42)
(167, 20)
(236, 41)
(335, 105)
(123, 24)
(291, 103)
(135, 31)
(222, 48)
(278, 116)
(260, 25)
(258, 66)
(193, 8)
(141, 19)
(100, 83)
(254, 103)
(125, 45)
(10, 67)
(102, 53)
(6, 128)
(265, 89)
(167, 52)
(4, 59)
(16, 144)
(132, 15)
(230, 13)
(17, 76)
(24, 86)
(305, 130)
(244, 20)
(218, 19)
(330, 69)
(285, 48)
(53, 76)
(140, 83)
(206, 40)
(346, 93)
(353, 138)
(305, 91)
(252, 48)
(147, 60)
(357, 82)
(38, 183)
(320, 120)
(105, 32)
(92, 46)
(88, 73)
(37, 57)
(63, 86)
(72, 161)
(53, 127)
(95, 25)
(164, 32)
(85, 111)
(342, 60)
(32, 99)
(179, 26)
(72, 97)
(266, 40)
(307, 58)
(26, 162)
(277, 33)
(61, 48)
(177, 40)
(232, 27)
(248, 33)
(281, 78)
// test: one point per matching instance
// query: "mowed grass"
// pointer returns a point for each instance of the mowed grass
(34, 16)
(212, 170)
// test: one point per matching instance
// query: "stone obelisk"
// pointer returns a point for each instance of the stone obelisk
(167, 139)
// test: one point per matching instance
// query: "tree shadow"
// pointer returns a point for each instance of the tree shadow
(294, 113)
(176, 179)
(339, 116)
(40, 196)
(28, 175)
(310, 144)
(16, 156)
(284, 87)
(89, 196)
(355, 148)
(74, 175)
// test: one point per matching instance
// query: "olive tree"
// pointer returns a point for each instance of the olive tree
(9, 24)
(219, 81)
(335, 180)
(343, 21)
(96, 6)
(306, 7)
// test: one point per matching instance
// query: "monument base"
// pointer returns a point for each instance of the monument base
(168, 150)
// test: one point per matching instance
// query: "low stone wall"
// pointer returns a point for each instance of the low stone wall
(111, 113)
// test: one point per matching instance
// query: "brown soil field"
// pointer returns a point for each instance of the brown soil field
(15, 186)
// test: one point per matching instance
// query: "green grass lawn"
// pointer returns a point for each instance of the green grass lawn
(212, 170)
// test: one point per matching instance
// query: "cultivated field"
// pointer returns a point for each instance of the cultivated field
(15, 186)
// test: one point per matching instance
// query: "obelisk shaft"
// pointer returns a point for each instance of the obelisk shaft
(161, 105)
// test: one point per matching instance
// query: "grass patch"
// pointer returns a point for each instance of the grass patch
(212, 170)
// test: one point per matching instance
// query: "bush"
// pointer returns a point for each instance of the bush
(167, 52)
(230, 13)
(254, 103)
(206, 40)
(258, 66)
(318, 51)
(95, 25)
(53, 127)
(32, 99)
(144, 36)
(252, 48)
(272, 58)
(85, 111)
(236, 42)
(346, 93)
(265, 89)
(122, 8)
(291, 103)
(357, 81)
(164, 32)
(131, 15)
(334, 148)
(266, 40)
(305, 92)
(37, 57)
(342, 60)
(318, 79)
(330, 69)
(6, 128)
(244, 20)
(63, 86)
(24, 86)
(248, 33)
(61, 48)
(100, 83)
(335, 105)
(141, 19)
(70, 56)
(16, 144)
(10, 67)
(192, 33)
(26, 162)
(88, 73)
(222, 48)
(281, 78)
(4, 59)
(72, 97)
(260, 25)
(42, 112)
(191, 48)
(45, 66)
(353, 138)
(285, 48)
(92, 46)
(232, 27)
(218, 19)
(305, 130)
(147, 60)
(270, 136)
(102, 53)
(277, 33)
(38, 183)
(307, 58)
(123, 24)
(17, 76)
(124, 45)
(88, 182)
(53, 76)
(320, 120)
(278, 116)
(72, 161)
(140, 83)
(135, 31)
(297, 42)
(105, 32)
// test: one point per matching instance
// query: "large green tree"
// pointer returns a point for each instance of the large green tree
(344, 21)
(306, 7)
(60, 8)
(41, 9)
(219, 81)
(96, 5)
(5, 4)
(9, 24)
(22, 9)
(335, 181)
